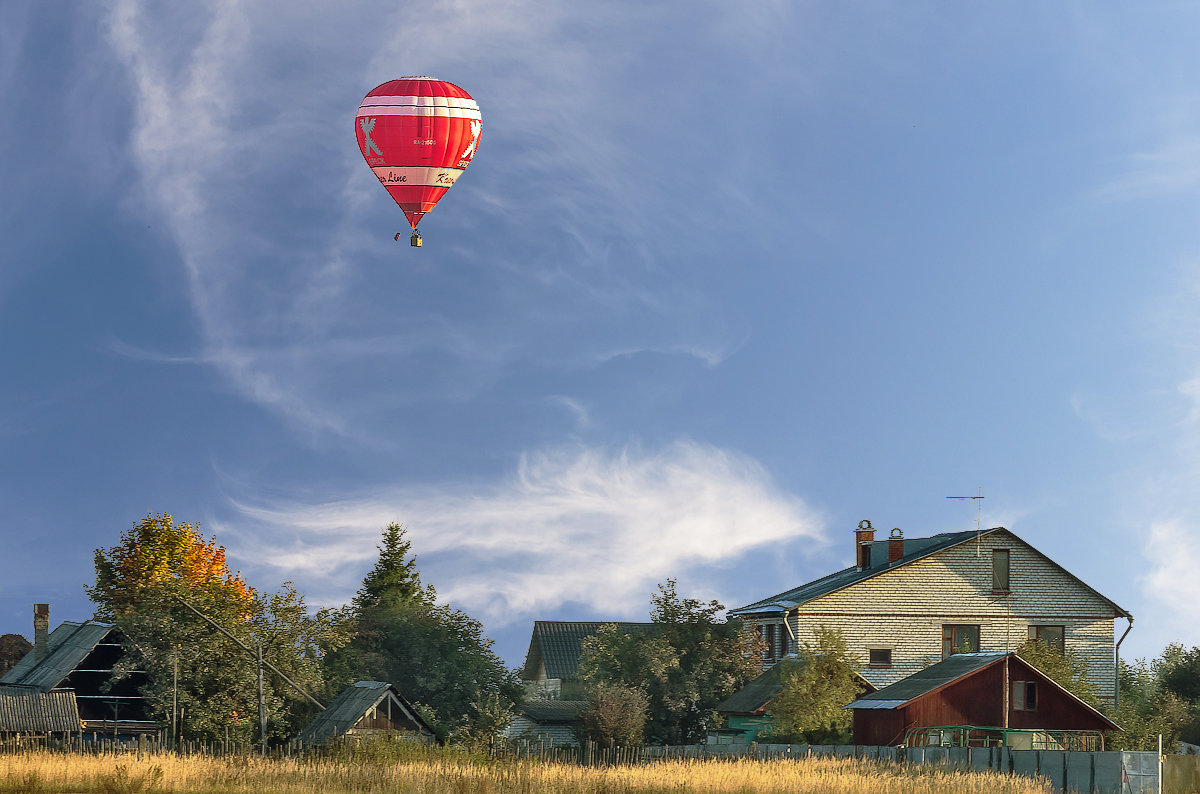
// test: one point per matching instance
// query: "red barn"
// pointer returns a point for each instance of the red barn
(979, 699)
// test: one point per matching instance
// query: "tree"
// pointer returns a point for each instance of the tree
(615, 715)
(437, 656)
(143, 586)
(13, 648)
(1178, 671)
(809, 708)
(692, 662)
(1146, 709)
(1065, 667)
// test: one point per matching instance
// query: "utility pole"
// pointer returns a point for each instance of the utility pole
(262, 702)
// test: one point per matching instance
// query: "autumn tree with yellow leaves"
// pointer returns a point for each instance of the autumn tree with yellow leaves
(197, 677)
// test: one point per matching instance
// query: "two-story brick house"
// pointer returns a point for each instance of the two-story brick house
(909, 603)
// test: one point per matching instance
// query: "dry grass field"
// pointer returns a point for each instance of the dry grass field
(38, 772)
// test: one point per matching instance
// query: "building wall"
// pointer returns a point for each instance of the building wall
(551, 734)
(904, 610)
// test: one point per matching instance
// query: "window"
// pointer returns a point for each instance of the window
(1024, 695)
(879, 657)
(783, 641)
(769, 638)
(1054, 636)
(959, 638)
(1000, 581)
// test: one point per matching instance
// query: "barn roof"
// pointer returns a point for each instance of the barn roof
(26, 710)
(914, 549)
(67, 646)
(352, 705)
(925, 681)
(754, 697)
(558, 645)
(950, 671)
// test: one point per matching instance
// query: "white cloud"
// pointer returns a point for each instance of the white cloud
(1173, 551)
(569, 525)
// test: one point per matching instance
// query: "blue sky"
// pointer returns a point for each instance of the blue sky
(721, 282)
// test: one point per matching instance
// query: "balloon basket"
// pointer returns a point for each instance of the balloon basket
(415, 240)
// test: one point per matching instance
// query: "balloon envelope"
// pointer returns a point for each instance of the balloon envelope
(418, 134)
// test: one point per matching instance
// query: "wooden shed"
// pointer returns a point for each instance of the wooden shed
(365, 708)
(978, 699)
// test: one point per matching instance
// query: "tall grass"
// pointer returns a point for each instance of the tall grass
(45, 772)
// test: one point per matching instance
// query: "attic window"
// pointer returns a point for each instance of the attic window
(879, 657)
(1024, 695)
(1000, 579)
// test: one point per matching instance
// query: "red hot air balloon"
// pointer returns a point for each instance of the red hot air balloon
(417, 134)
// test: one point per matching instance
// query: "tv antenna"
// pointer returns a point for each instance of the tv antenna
(978, 517)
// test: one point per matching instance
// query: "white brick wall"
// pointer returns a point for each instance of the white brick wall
(904, 610)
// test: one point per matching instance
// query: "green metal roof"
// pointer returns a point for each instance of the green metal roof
(558, 645)
(914, 549)
(352, 705)
(925, 681)
(66, 647)
(754, 697)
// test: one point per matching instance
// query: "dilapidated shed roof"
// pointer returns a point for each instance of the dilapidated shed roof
(26, 710)
(373, 706)
(67, 646)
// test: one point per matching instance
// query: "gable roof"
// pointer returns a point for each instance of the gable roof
(66, 647)
(922, 682)
(352, 705)
(25, 710)
(950, 671)
(558, 644)
(914, 549)
(754, 696)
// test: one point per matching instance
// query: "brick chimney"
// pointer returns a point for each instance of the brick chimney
(41, 631)
(864, 536)
(895, 545)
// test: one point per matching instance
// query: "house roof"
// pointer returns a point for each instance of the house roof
(922, 682)
(754, 697)
(950, 671)
(25, 710)
(67, 646)
(914, 549)
(559, 644)
(552, 711)
(351, 706)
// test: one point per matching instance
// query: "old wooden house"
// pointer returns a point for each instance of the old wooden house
(979, 699)
(81, 658)
(909, 602)
(366, 708)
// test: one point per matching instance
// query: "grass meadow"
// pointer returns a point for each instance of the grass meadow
(37, 772)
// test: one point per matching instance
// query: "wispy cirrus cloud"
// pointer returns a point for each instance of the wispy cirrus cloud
(244, 147)
(569, 526)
